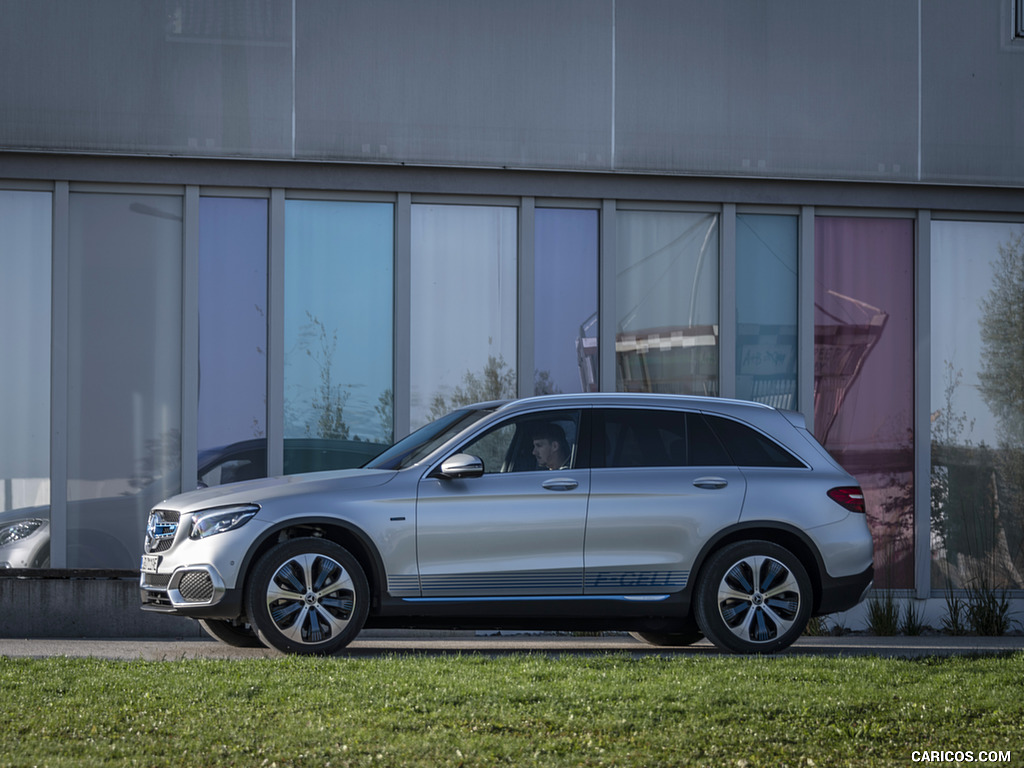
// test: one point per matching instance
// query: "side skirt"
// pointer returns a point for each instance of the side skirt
(656, 612)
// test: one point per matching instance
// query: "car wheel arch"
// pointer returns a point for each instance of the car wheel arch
(787, 536)
(338, 531)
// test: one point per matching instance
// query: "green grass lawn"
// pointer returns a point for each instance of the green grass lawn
(527, 710)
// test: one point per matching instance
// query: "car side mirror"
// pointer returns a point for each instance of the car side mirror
(461, 466)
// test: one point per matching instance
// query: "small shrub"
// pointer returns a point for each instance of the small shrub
(883, 614)
(913, 621)
(988, 609)
(816, 627)
(955, 620)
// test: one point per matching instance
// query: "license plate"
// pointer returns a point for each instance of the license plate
(150, 563)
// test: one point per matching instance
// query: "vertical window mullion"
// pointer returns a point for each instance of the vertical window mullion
(275, 335)
(190, 340)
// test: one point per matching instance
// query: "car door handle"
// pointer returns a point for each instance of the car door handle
(560, 484)
(711, 483)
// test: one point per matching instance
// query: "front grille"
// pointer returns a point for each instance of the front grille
(155, 580)
(196, 587)
(161, 530)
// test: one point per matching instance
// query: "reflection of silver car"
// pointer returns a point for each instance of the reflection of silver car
(105, 531)
(670, 517)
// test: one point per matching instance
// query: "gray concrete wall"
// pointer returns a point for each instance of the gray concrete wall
(33, 607)
(874, 90)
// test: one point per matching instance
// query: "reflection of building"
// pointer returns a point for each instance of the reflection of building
(844, 336)
(673, 360)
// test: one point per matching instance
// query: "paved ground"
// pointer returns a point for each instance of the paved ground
(412, 642)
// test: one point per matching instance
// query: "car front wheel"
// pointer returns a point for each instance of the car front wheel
(753, 597)
(307, 596)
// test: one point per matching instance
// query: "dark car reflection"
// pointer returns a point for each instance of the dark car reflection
(105, 532)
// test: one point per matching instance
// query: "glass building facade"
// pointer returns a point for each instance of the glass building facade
(350, 229)
(163, 352)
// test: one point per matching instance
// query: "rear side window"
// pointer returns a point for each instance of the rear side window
(748, 447)
(627, 437)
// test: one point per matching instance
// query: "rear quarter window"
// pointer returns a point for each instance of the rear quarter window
(748, 447)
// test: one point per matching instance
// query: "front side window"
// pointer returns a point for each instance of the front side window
(537, 442)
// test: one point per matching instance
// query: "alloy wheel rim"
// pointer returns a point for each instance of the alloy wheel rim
(310, 598)
(759, 599)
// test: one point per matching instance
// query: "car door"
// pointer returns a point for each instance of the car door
(661, 485)
(516, 529)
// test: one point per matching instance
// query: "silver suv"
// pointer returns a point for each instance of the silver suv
(669, 517)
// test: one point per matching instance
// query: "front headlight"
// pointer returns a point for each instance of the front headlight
(221, 519)
(19, 530)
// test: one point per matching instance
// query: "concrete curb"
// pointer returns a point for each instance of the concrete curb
(411, 642)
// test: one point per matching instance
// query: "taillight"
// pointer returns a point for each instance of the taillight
(851, 497)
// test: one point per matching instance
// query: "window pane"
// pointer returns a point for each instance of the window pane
(977, 404)
(766, 309)
(339, 288)
(463, 307)
(25, 386)
(864, 373)
(124, 371)
(667, 303)
(232, 334)
(565, 301)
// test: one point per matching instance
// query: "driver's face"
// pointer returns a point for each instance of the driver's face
(545, 452)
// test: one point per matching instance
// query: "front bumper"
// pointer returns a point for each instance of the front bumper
(197, 591)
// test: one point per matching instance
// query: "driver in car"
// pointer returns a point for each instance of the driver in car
(550, 447)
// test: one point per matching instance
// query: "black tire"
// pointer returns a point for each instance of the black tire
(307, 596)
(753, 597)
(235, 633)
(688, 634)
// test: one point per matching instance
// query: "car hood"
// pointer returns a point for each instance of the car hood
(258, 491)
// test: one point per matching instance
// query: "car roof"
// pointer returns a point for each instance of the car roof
(604, 399)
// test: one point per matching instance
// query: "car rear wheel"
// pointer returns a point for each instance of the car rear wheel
(307, 596)
(753, 597)
(236, 633)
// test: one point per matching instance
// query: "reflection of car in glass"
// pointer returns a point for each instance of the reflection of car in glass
(110, 527)
(670, 517)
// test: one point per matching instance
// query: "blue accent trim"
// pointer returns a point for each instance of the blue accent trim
(627, 598)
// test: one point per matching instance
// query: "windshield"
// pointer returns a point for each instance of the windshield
(425, 440)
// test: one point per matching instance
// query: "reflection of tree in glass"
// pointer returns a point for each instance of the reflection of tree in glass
(1002, 343)
(385, 409)
(497, 381)
(543, 384)
(162, 455)
(1001, 383)
(328, 402)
